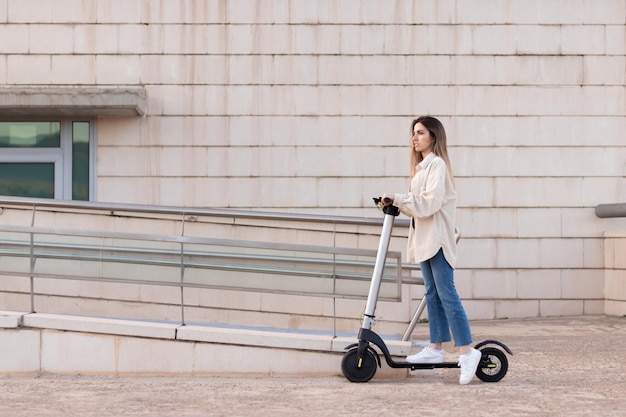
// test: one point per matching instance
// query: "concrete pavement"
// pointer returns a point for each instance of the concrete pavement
(560, 367)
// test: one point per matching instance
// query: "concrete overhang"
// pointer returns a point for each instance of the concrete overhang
(90, 102)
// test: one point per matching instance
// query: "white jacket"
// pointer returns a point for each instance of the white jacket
(431, 202)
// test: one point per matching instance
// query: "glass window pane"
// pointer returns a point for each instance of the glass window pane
(27, 179)
(30, 134)
(80, 161)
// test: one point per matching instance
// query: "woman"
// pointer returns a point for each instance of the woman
(431, 203)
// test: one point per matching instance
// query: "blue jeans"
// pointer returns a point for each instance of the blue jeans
(445, 311)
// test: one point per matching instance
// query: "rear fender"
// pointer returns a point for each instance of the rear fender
(494, 342)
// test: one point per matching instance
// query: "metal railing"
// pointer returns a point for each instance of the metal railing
(604, 211)
(186, 212)
(186, 261)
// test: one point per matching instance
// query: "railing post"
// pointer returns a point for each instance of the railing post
(334, 280)
(182, 272)
(32, 261)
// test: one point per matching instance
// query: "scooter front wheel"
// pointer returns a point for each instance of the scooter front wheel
(493, 365)
(358, 370)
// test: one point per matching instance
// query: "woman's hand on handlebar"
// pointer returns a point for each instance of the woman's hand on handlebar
(387, 199)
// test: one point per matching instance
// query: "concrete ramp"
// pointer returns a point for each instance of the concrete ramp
(39, 343)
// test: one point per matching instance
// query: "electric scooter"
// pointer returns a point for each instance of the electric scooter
(361, 360)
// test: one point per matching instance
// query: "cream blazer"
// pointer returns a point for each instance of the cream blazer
(431, 203)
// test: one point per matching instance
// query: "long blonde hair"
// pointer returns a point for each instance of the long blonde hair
(440, 148)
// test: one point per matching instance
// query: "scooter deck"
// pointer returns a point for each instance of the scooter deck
(368, 336)
(417, 366)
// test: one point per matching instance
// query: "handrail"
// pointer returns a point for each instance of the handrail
(605, 211)
(153, 256)
(194, 211)
(330, 263)
(316, 267)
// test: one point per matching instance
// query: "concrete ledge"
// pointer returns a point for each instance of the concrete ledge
(73, 102)
(7, 322)
(53, 343)
(246, 337)
(278, 339)
(10, 319)
(101, 325)
(296, 340)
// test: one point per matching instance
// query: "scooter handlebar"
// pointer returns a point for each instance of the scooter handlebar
(379, 200)
(387, 209)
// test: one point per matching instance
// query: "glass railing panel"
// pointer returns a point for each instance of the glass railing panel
(15, 252)
(66, 256)
(209, 263)
(355, 277)
(258, 268)
(324, 272)
(98, 258)
(141, 260)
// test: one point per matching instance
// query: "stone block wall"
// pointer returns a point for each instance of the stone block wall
(615, 274)
(306, 106)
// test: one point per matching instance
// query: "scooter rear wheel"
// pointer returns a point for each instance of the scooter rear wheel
(351, 369)
(493, 365)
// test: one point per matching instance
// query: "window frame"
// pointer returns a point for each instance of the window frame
(61, 156)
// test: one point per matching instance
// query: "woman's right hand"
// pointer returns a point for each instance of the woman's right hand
(387, 199)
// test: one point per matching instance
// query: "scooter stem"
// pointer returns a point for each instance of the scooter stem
(381, 256)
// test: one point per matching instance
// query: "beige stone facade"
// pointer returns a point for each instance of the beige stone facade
(305, 105)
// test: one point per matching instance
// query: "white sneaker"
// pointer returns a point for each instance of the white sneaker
(427, 355)
(469, 363)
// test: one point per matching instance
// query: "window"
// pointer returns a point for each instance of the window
(47, 159)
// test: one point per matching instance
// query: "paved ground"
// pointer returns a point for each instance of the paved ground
(560, 367)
